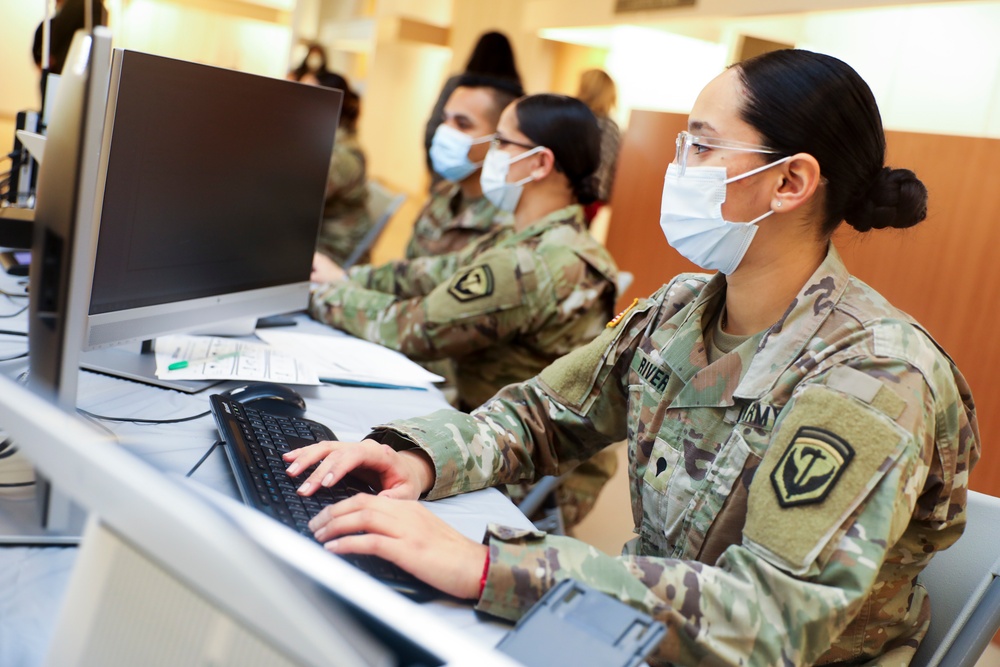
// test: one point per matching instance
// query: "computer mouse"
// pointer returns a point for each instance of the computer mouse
(271, 396)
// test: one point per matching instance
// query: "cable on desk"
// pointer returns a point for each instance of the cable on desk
(217, 443)
(132, 420)
(98, 424)
(12, 295)
(16, 312)
(10, 332)
(23, 355)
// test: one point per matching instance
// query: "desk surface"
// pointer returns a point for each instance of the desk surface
(33, 580)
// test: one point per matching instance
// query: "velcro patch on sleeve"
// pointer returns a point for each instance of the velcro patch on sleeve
(829, 452)
(482, 288)
(572, 376)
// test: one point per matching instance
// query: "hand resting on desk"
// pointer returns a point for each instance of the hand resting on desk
(325, 270)
(391, 525)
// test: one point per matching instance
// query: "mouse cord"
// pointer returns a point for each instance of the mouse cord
(204, 456)
(132, 420)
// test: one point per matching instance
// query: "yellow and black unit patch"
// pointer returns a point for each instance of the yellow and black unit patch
(810, 467)
(475, 283)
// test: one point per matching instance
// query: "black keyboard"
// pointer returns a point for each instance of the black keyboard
(255, 440)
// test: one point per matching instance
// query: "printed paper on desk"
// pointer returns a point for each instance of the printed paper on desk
(214, 358)
(350, 359)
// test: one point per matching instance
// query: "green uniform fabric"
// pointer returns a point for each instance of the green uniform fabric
(784, 497)
(345, 213)
(515, 302)
(449, 223)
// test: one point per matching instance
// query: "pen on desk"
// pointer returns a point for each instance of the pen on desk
(178, 365)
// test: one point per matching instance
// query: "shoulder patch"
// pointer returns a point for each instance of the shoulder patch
(471, 284)
(810, 467)
(827, 454)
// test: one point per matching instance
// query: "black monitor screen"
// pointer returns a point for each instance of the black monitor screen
(215, 182)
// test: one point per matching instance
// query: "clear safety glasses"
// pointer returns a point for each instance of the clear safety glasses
(686, 141)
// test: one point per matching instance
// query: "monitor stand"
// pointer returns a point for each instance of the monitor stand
(21, 523)
(136, 363)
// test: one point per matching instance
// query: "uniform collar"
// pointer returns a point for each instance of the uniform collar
(570, 215)
(783, 343)
(477, 213)
(744, 372)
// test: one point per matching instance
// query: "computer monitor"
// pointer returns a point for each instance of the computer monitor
(210, 198)
(60, 277)
(170, 575)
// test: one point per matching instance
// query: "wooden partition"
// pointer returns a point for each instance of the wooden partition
(945, 271)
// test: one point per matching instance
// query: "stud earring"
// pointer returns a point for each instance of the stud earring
(778, 205)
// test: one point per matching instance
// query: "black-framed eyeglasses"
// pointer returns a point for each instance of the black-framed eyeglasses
(499, 141)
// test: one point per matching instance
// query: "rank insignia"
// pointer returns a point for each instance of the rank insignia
(810, 467)
(618, 318)
(473, 284)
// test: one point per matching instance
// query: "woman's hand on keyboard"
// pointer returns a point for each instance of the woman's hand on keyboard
(407, 534)
(404, 475)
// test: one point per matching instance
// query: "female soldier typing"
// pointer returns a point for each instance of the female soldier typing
(798, 448)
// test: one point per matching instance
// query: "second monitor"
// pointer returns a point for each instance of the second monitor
(210, 196)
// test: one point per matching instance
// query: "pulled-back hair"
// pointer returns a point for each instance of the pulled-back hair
(569, 129)
(805, 102)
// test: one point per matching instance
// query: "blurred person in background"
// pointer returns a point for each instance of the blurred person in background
(492, 56)
(597, 90)
(70, 16)
(345, 213)
(457, 213)
(313, 68)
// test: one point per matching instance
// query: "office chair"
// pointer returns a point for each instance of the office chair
(964, 586)
(541, 507)
(382, 205)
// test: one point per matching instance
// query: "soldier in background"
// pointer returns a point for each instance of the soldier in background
(798, 448)
(346, 219)
(518, 298)
(457, 213)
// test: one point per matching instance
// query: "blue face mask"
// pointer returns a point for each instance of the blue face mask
(450, 153)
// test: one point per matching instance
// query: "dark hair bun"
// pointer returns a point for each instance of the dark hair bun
(585, 190)
(896, 199)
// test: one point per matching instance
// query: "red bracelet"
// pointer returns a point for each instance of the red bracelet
(486, 571)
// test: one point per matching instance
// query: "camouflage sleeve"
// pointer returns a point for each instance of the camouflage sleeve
(533, 430)
(480, 305)
(406, 278)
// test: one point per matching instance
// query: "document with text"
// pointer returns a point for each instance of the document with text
(343, 358)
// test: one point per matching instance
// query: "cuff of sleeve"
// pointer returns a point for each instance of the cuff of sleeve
(400, 438)
(520, 571)
(360, 274)
(325, 304)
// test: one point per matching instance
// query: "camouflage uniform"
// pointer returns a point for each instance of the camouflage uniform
(448, 224)
(784, 497)
(345, 213)
(514, 302)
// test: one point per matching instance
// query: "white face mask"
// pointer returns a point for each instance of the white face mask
(314, 62)
(450, 153)
(493, 178)
(691, 217)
